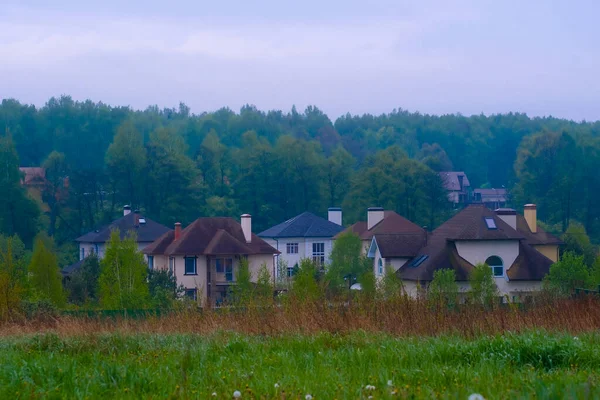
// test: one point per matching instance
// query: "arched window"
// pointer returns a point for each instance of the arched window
(496, 264)
(380, 267)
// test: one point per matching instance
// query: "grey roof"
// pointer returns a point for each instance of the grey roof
(304, 225)
(146, 232)
(69, 269)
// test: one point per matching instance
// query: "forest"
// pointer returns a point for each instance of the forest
(174, 165)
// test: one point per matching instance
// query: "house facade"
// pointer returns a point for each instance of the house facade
(519, 253)
(458, 187)
(145, 229)
(304, 236)
(205, 256)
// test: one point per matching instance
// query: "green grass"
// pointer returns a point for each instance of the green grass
(326, 366)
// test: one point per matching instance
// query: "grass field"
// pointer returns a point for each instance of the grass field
(326, 366)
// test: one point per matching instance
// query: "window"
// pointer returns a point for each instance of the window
(191, 293)
(380, 267)
(190, 266)
(229, 270)
(318, 253)
(150, 262)
(291, 271)
(172, 265)
(496, 264)
(418, 261)
(292, 248)
(82, 253)
(491, 224)
(225, 266)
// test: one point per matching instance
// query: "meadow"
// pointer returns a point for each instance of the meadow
(379, 352)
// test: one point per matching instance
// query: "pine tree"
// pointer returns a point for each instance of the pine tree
(44, 274)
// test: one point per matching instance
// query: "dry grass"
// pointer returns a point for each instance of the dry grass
(403, 317)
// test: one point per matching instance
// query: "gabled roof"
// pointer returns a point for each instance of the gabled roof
(69, 269)
(444, 257)
(400, 245)
(304, 225)
(357, 228)
(391, 224)
(210, 236)
(147, 232)
(530, 265)
(470, 224)
(541, 237)
(451, 181)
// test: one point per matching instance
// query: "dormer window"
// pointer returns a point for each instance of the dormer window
(490, 223)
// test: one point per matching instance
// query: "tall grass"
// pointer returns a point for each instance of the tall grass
(399, 317)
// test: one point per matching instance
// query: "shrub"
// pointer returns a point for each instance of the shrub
(483, 288)
(163, 288)
(390, 286)
(443, 290)
(44, 274)
(568, 274)
(305, 287)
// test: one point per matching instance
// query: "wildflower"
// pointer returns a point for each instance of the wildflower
(237, 394)
(476, 396)
(276, 385)
(370, 397)
(214, 394)
(370, 387)
(575, 338)
(308, 397)
(390, 383)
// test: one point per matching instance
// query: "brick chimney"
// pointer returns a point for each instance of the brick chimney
(126, 210)
(374, 216)
(530, 212)
(334, 214)
(177, 230)
(247, 227)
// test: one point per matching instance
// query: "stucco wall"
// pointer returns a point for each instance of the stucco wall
(396, 263)
(100, 248)
(256, 262)
(479, 251)
(304, 248)
(515, 290)
(191, 281)
(550, 251)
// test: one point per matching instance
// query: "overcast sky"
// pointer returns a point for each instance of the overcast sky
(432, 56)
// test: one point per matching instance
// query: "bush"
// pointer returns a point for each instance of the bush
(568, 274)
(443, 290)
(483, 288)
(163, 288)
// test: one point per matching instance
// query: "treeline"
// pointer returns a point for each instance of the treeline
(176, 166)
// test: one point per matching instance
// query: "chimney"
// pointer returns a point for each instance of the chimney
(247, 227)
(334, 214)
(530, 211)
(508, 215)
(177, 230)
(136, 218)
(126, 210)
(374, 216)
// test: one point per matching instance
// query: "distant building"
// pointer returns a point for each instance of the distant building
(458, 186)
(491, 198)
(305, 236)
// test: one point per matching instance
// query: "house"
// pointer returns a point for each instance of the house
(146, 230)
(388, 235)
(519, 253)
(304, 236)
(205, 256)
(458, 186)
(491, 198)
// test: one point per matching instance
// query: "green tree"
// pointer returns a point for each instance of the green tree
(346, 265)
(56, 189)
(390, 286)
(163, 288)
(569, 273)
(123, 274)
(242, 292)
(578, 242)
(82, 285)
(13, 276)
(263, 292)
(339, 170)
(305, 287)
(483, 288)
(18, 213)
(443, 289)
(45, 276)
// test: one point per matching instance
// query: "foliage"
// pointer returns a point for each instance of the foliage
(242, 292)
(443, 289)
(483, 288)
(346, 264)
(82, 285)
(263, 293)
(123, 275)
(578, 242)
(163, 288)
(543, 365)
(305, 287)
(390, 286)
(45, 276)
(13, 276)
(569, 273)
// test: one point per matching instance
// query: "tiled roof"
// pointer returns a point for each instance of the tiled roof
(357, 228)
(68, 270)
(539, 238)
(400, 245)
(304, 225)
(530, 265)
(210, 236)
(470, 224)
(441, 255)
(146, 232)
(451, 181)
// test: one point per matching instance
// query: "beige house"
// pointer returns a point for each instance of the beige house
(518, 252)
(205, 256)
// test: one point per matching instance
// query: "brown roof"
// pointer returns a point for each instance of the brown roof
(146, 230)
(357, 228)
(210, 236)
(539, 238)
(470, 224)
(444, 257)
(33, 175)
(400, 245)
(391, 224)
(530, 265)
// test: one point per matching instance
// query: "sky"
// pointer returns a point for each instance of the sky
(540, 57)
